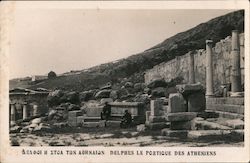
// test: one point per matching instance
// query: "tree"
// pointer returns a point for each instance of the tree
(51, 75)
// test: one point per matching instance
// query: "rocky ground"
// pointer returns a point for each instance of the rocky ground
(111, 137)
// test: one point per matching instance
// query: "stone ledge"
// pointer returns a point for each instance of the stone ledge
(229, 115)
(226, 100)
(181, 116)
(239, 109)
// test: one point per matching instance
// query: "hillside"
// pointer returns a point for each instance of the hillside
(132, 68)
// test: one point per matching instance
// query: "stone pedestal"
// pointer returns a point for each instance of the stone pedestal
(25, 111)
(12, 113)
(209, 69)
(236, 71)
(155, 107)
(155, 120)
(191, 68)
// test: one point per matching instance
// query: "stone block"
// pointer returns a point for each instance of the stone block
(177, 103)
(80, 119)
(206, 125)
(174, 133)
(141, 128)
(181, 116)
(196, 102)
(186, 89)
(208, 114)
(72, 122)
(234, 123)
(180, 125)
(207, 134)
(72, 114)
(94, 124)
(147, 115)
(156, 118)
(157, 125)
(156, 106)
(113, 123)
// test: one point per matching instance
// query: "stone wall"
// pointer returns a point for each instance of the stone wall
(178, 67)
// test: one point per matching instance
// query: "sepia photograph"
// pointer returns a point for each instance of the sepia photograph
(105, 77)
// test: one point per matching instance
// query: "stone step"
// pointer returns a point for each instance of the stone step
(206, 125)
(215, 134)
(226, 100)
(239, 109)
(229, 115)
(92, 119)
(233, 123)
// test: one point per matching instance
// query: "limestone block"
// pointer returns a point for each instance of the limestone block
(176, 103)
(174, 133)
(181, 116)
(156, 118)
(157, 125)
(206, 125)
(196, 102)
(73, 114)
(141, 128)
(80, 119)
(147, 115)
(234, 123)
(207, 134)
(186, 89)
(180, 125)
(156, 106)
(208, 114)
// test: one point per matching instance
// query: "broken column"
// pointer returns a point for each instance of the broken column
(25, 111)
(12, 113)
(191, 68)
(156, 120)
(209, 69)
(236, 71)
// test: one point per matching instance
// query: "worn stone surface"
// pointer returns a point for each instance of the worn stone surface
(233, 123)
(181, 116)
(207, 134)
(208, 114)
(206, 125)
(180, 125)
(73, 114)
(177, 103)
(186, 89)
(155, 107)
(141, 128)
(157, 125)
(94, 124)
(156, 118)
(196, 102)
(174, 133)
(226, 100)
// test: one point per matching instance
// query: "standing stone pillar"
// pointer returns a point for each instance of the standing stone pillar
(236, 71)
(35, 110)
(12, 113)
(209, 69)
(155, 106)
(25, 111)
(191, 68)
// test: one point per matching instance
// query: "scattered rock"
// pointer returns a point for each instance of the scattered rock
(158, 92)
(73, 107)
(36, 121)
(128, 85)
(15, 129)
(141, 128)
(157, 83)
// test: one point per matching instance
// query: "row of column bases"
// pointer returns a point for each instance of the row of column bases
(236, 70)
(25, 112)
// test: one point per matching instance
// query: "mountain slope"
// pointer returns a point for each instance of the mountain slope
(134, 66)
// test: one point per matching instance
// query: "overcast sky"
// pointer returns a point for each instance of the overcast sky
(74, 39)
